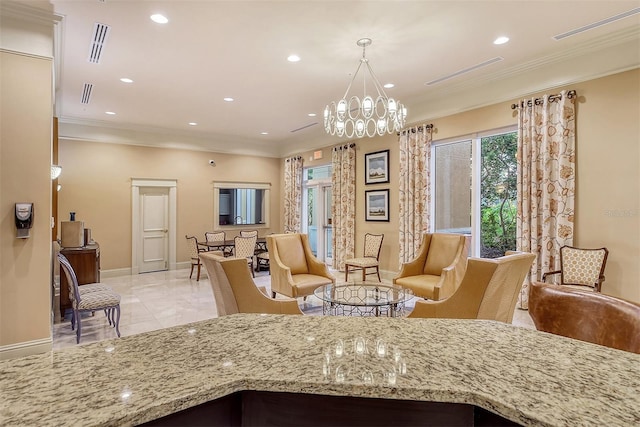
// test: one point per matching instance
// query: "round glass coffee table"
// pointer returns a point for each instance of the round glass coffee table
(363, 299)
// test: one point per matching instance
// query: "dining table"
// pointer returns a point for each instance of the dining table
(226, 246)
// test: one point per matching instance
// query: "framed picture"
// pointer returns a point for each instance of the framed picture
(376, 167)
(377, 205)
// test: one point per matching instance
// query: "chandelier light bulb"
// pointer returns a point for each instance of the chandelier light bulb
(369, 114)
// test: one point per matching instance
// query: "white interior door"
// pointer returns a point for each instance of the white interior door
(154, 221)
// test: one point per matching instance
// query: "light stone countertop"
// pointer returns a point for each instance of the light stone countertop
(529, 377)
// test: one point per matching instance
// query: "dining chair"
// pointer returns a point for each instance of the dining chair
(581, 269)
(89, 301)
(213, 237)
(249, 233)
(245, 247)
(369, 259)
(194, 251)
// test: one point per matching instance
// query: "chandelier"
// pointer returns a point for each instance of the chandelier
(354, 116)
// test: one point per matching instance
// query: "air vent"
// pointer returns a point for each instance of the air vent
(100, 33)
(597, 24)
(466, 70)
(86, 93)
(304, 127)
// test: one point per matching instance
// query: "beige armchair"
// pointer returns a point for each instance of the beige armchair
(489, 290)
(234, 290)
(295, 271)
(439, 267)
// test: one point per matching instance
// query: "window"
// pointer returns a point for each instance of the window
(474, 191)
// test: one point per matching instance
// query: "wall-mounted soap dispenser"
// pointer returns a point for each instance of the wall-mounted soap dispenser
(24, 219)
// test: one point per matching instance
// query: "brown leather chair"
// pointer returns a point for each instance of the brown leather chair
(234, 290)
(439, 267)
(586, 316)
(295, 271)
(489, 290)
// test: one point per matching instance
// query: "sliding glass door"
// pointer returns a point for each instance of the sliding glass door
(474, 191)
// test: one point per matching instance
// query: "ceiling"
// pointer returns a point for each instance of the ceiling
(209, 50)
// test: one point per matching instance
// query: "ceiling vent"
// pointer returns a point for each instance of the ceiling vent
(304, 127)
(100, 34)
(597, 24)
(466, 70)
(86, 93)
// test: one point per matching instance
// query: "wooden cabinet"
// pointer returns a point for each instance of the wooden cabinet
(86, 264)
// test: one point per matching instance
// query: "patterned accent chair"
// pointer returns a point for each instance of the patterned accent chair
(587, 316)
(439, 267)
(245, 247)
(489, 290)
(235, 292)
(370, 258)
(194, 251)
(89, 300)
(295, 271)
(581, 268)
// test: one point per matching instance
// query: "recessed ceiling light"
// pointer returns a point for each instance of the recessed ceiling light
(311, 114)
(159, 19)
(111, 113)
(264, 133)
(126, 80)
(293, 58)
(389, 85)
(501, 40)
(193, 124)
(228, 99)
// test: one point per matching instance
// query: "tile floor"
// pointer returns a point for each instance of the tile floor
(159, 300)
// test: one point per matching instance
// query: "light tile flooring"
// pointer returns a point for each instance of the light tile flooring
(159, 300)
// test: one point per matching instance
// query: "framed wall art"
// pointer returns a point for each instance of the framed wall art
(377, 205)
(376, 167)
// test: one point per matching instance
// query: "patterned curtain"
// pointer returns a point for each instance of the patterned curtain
(546, 181)
(343, 203)
(293, 194)
(414, 189)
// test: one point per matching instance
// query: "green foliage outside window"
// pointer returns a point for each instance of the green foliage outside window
(498, 195)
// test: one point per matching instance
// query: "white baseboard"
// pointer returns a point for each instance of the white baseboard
(115, 272)
(27, 348)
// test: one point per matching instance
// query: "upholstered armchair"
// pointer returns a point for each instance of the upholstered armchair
(95, 298)
(489, 290)
(587, 316)
(581, 268)
(295, 271)
(234, 290)
(439, 267)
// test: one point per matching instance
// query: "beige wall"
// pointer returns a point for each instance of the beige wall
(96, 184)
(608, 177)
(25, 161)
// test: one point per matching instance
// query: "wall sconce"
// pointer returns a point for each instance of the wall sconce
(55, 171)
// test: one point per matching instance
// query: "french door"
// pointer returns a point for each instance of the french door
(316, 219)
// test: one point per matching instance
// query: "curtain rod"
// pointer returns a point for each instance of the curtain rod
(538, 101)
(344, 147)
(427, 128)
(293, 158)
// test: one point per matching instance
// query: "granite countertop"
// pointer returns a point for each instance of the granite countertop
(529, 377)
